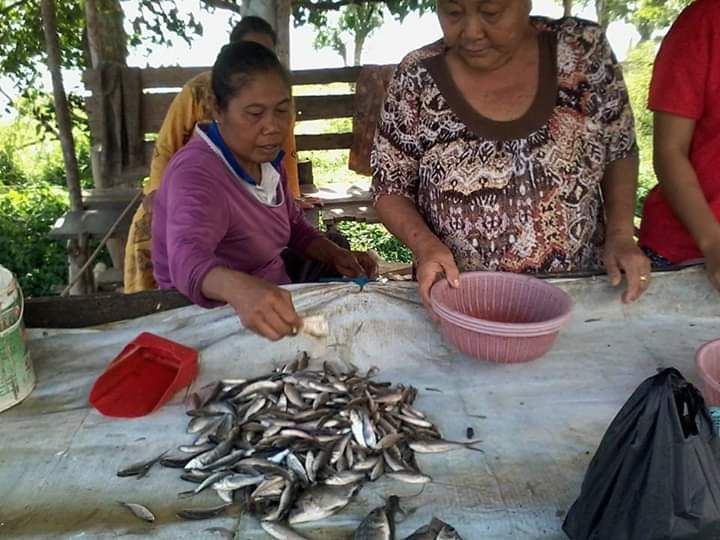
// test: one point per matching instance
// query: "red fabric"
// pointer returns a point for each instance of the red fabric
(686, 83)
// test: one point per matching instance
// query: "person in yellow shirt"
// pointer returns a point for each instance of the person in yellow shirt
(191, 106)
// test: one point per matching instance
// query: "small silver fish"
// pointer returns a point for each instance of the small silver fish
(257, 405)
(435, 530)
(344, 478)
(356, 424)
(380, 523)
(238, 481)
(448, 533)
(339, 448)
(438, 446)
(293, 395)
(391, 439)
(366, 464)
(259, 386)
(414, 421)
(140, 469)
(309, 466)
(226, 495)
(281, 532)
(409, 477)
(139, 511)
(210, 480)
(378, 470)
(286, 499)
(320, 502)
(297, 467)
(392, 461)
(269, 488)
(199, 424)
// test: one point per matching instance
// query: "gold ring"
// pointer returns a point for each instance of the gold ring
(294, 331)
(643, 278)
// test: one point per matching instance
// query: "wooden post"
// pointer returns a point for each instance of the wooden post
(77, 248)
(108, 43)
(282, 27)
(277, 13)
(106, 35)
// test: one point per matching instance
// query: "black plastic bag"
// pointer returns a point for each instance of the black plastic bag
(656, 473)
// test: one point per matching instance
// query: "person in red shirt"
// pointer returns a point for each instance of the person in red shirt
(681, 217)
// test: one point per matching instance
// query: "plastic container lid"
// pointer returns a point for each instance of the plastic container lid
(143, 377)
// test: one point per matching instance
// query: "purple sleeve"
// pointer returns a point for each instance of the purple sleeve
(301, 232)
(197, 221)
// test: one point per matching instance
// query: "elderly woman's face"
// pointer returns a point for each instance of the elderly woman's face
(484, 33)
(257, 119)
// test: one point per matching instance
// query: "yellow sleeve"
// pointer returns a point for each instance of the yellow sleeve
(290, 162)
(187, 109)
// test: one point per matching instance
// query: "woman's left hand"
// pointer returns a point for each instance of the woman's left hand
(623, 254)
(355, 264)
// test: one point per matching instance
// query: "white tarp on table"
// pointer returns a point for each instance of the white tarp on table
(540, 421)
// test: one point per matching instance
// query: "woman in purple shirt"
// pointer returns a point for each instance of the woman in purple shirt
(224, 214)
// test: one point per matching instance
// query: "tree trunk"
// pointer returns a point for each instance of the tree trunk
(603, 15)
(567, 8)
(645, 31)
(106, 35)
(107, 42)
(282, 27)
(62, 114)
(359, 44)
(277, 13)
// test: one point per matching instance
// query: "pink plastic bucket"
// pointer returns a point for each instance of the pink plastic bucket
(501, 317)
(707, 360)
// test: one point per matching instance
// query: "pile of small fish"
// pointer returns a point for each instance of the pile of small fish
(298, 443)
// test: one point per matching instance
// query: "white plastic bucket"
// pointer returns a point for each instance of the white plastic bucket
(17, 376)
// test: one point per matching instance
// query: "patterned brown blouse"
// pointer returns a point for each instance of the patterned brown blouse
(517, 196)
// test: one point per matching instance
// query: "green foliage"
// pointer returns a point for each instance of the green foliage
(10, 173)
(315, 11)
(25, 219)
(331, 166)
(647, 16)
(161, 22)
(364, 236)
(29, 153)
(357, 22)
(651, 15)
(32, 198)
(22, 43)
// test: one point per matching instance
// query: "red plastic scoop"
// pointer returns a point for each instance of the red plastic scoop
(143, 377)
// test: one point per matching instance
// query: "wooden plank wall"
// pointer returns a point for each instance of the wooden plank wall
(160, 85)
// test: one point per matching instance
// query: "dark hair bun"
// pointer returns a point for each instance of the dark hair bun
(237, 64)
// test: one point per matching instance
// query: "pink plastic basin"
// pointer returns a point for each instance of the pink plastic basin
(707, 360)
(501, 317)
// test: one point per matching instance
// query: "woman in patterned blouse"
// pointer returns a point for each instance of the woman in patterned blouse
(509, 146)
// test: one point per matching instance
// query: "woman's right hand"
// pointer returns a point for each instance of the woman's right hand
(433, 261)
(265, 308)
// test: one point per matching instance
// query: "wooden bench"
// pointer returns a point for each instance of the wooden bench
(144, 103)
